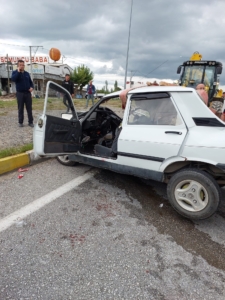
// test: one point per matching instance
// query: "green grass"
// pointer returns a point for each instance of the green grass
(55, 103)
(15, 150)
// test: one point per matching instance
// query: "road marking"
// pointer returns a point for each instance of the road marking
(41, 202)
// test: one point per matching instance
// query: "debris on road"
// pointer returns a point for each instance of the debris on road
(22, 170)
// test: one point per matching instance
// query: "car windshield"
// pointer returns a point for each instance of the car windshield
(193, 75)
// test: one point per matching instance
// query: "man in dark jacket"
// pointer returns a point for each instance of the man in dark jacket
(24, 87)
(68, 85)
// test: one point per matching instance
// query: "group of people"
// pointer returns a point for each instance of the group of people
(25, 86)
(69, 86)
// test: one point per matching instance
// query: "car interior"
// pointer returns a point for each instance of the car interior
(99, 129)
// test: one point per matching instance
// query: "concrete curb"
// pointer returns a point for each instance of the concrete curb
(11, 163)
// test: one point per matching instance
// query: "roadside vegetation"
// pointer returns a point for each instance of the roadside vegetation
(53, 103)
(16, 150)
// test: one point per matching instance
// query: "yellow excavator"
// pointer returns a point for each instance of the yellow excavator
(196, 70)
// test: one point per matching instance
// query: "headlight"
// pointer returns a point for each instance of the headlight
(40, 123)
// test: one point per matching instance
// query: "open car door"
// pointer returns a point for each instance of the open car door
(54, 135)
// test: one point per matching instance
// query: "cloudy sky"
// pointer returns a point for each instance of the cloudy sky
(164, 33)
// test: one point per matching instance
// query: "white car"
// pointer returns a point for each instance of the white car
(168, 134)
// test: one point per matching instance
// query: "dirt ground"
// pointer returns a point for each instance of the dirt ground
(11, 135)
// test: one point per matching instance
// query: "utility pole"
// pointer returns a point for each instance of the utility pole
(131, 75)
(128, 44)
(63, 58)
(8, 71)
(31, 69)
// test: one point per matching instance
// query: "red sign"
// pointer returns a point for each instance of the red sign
(26, 59)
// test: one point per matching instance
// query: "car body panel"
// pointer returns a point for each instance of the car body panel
(120, 165)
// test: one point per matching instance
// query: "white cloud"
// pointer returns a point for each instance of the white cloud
(96, 33)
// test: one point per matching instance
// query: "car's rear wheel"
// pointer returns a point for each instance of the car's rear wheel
(194, 194)
(64, 160)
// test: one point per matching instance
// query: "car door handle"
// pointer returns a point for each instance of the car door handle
(60, 131)
(174, 132)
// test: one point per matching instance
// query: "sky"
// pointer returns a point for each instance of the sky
(163, 34)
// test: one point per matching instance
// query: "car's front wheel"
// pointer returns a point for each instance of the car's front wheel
(64, 160)
(194, 194)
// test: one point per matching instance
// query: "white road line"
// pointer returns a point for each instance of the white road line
(41, 202)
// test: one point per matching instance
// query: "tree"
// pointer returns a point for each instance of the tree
(106, 86)
(81, 76)
(116, 88)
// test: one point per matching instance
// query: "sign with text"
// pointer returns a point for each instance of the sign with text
(26, 59)
(36, 69)
(53, 70)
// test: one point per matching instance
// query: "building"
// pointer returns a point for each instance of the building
(41, 72)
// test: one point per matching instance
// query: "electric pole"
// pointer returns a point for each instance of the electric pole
(128, 44)
(8, 70)
(31, 71)
(131, 75)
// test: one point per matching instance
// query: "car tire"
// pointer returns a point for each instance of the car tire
(64, 160)
(194, 194)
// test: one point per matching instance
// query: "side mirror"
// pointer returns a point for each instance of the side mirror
(219, 70)
(179, 69)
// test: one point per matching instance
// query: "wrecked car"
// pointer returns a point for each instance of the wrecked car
(166, 133)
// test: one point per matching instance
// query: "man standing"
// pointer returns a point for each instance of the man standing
(90, 93)
(68, 85)
(24, 87)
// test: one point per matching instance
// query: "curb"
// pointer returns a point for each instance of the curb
(11, 163)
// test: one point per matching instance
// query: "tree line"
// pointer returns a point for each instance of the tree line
(82, 75)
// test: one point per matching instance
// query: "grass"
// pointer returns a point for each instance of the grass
(56, 104)
(16, 150)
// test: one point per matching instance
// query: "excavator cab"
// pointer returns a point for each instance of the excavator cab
(197, 71)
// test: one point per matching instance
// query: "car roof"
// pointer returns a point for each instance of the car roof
(113, 95)
(153, 88)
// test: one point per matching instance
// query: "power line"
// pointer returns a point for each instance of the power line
(13, 45)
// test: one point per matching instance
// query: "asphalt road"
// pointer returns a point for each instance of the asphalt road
(83, 233)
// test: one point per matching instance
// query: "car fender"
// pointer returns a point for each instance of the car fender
(182, 161)
(171, 160)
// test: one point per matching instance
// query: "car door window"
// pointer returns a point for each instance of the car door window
(153, 112)
(58, 101)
